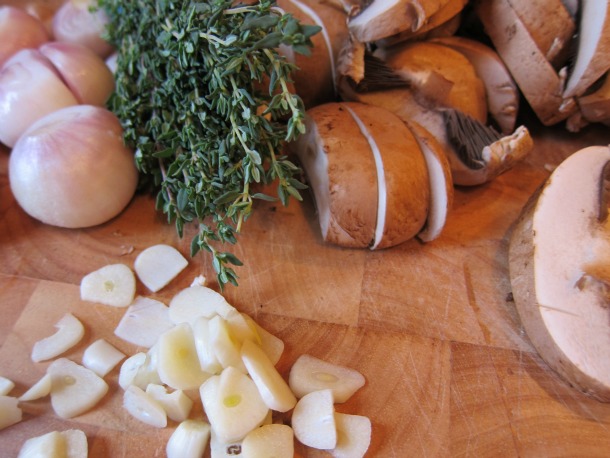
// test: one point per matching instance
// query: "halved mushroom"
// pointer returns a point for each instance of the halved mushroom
(558, 259)
(383, 18)
(593, 54)
(540, 83)
(501, 91)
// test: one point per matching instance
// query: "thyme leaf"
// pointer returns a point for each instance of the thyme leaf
(204, 98)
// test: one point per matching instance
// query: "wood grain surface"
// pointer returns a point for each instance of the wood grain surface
(449, 370)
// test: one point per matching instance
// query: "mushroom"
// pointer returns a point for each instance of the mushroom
(368, 175)
(559, 271)
(593, 53)
(593, 106)
(315, 79)
(383, 18)
(444, 22)
(475, 152)
(502, 95)
(519, 48)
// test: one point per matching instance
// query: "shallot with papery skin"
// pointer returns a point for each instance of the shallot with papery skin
(30, 88)
(19, 30)
(83, 71)
(71, 168)
(75, 22)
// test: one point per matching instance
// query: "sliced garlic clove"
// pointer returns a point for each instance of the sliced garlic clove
(353, 436)
(6, 385)
(51, 444)
(143, 407)
(196, 301)
(76, 443)
(10, 412)
(74, 388)
(203, 344)
(224, 345)
(143, 322)
(309, 374)
(313, 420)
(189, 440)
(113, 285)
(38, 390)
(269, 440)
(271, 344)
(69, 332)
(157, 265)
(139, 370)
(101, 357)
(176, 404)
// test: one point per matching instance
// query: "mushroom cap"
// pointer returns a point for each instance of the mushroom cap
(558, 256)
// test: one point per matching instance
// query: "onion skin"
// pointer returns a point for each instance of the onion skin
(30, 88)
(74, 23)
(19, 30)
(71, 168)
(84, 72)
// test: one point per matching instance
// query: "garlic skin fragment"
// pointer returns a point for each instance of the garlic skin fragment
(69, 332)
(143, 407)
(101, 357)
(157, 265)
(189, 440)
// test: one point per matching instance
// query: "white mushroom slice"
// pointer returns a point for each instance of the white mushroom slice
(595, 106)
(558, 258)
(540, 83)
(441, 183)
(501, 91)
(69, 332)
(592, 56)
(384, 18)
(157, 265)
(143, 322)
(113, 285)
(74, 388)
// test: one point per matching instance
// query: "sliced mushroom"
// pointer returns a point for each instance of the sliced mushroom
(593, 53)
(441, 183)
(368, 175)
(384, 18)
(315, 79)
(540, 83)
(471, 155)
(444, 22)
(501, 92)
(558, 259)
(440, 75)
(593, 107)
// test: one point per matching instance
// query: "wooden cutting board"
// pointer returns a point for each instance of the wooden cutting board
(449, 370)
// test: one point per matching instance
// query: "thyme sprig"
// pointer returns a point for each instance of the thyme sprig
(204, 98)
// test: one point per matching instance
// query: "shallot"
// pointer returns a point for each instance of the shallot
(71, 168)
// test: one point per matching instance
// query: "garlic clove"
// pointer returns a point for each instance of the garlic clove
(38, 390)
(10, 412)
(113, 285)
(143, 407)
(195, 301)
(176, 404)
(313, 420)
(101, 357)
(6, 385)
(189, 440)
(140, 370)
(144, 322)
(269, 440)
(69, 332)
(19, 30)
(353, 436)
(157, 265)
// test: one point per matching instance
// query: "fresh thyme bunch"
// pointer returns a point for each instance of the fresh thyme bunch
(203, 95)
